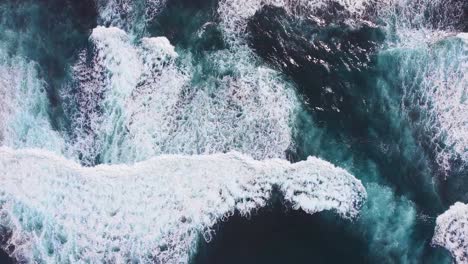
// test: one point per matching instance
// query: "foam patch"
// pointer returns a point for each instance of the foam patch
(24, 118)
(451, 232)
(235, 13)
(134, 101)
(55, 210)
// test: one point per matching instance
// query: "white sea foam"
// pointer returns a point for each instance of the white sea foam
(451, 232)
(235, 14)
(136, 101)
(24, 119)
(59, 212)
(103, 87)
(439, 92)
(128, 13)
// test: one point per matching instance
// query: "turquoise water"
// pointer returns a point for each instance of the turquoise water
(377, 92)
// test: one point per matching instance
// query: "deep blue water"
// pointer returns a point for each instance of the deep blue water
(4, 258)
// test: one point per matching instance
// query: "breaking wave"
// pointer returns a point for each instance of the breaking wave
(56, 211)
(133, 101)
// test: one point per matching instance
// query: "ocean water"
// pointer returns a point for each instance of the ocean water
(229, 131)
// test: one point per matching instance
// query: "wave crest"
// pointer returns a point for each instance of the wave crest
(151, 211)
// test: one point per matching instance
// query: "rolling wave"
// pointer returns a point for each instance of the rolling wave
(56, 211)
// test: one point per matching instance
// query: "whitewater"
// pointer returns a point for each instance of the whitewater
(60, 212)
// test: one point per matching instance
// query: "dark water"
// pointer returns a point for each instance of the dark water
(4, 258)
(276, 235)
(352, 118)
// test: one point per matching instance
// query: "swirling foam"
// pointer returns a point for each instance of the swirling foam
(136, 101)
(57, 211)
(424, 17)
(451, 232)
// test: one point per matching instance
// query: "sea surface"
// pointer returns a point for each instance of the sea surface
(105, 87)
